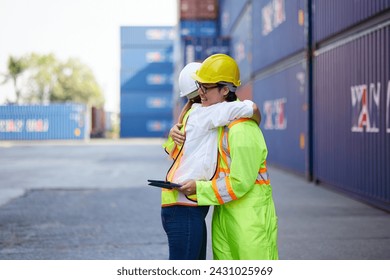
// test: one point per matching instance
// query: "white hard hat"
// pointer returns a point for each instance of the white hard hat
(187, 84)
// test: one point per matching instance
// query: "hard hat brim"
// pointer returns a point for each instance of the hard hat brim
(200, 80)
(190, 95)
(195, 77)
(204, 81)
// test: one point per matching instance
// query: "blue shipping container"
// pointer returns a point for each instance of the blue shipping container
(199, 48)
(278, 30)
(282, 98)
(156, 76)
(146, 103)
(198, 28)
(241, 44)
(138, 36)
(229, 12)
(352, 115)
(43, 122)
(145, 126)
(137, 59)
(333, 16)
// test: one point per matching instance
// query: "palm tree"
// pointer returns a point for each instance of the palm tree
(15, 69)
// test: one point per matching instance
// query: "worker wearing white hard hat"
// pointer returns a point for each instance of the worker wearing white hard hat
(187, 84)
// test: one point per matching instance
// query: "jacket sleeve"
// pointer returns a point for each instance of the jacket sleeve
(247, 151)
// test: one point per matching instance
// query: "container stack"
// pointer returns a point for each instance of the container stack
(269, 43)
(146, 82)
(351, 97)
(235, 21)
(198, 29)
(319, 72)
(280, 76)
(199, 37)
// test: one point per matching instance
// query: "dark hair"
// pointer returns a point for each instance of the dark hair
(231, 96)
(196, 99)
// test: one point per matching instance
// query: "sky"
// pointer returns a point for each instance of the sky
(85, 29)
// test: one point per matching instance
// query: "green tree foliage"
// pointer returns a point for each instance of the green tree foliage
(42, 77)
(76, 82)
(16, 67)
(51, 80)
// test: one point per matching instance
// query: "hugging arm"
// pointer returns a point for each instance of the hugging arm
(256, 114)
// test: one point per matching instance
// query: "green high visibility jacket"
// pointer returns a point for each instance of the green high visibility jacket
(244, 224)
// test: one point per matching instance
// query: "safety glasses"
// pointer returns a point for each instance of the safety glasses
(203, 88)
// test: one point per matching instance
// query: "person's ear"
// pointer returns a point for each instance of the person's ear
(225, 91)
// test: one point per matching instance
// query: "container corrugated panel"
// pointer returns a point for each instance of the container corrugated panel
(352, 115)
(43, 122)
(241, 44)
(199, 48)
(278, 30)
(140, 58)
(136, 36)
(333, 16)
(229, 11)
(146, 103)
(282, 98)
(156, 76)
(195, 9)
(198, 28)
(245, 91)
(135, 125)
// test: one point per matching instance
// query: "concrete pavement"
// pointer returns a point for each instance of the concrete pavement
(89, 200)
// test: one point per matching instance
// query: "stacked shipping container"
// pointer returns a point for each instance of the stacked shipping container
(146, 81)
(351, 97)
(280, 80)
(325, 113)
(198, 38)
(199, 30)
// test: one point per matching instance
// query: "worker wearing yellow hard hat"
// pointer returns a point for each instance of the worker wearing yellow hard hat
(244, 224)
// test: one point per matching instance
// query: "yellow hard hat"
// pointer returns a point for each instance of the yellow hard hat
(218, 68)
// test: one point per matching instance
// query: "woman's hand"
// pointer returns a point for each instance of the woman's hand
(188, 187)
(256, 114)
(177, 136)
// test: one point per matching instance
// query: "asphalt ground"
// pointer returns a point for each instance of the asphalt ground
(89, 201)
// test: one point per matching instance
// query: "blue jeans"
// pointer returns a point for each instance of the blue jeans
(186, 229)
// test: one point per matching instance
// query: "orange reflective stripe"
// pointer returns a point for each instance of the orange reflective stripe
(263, 182)
(215, 189)
(224, 170)
(177, 156)
(175, 152)
(238, 121)
(173, 168)
(230, 189)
